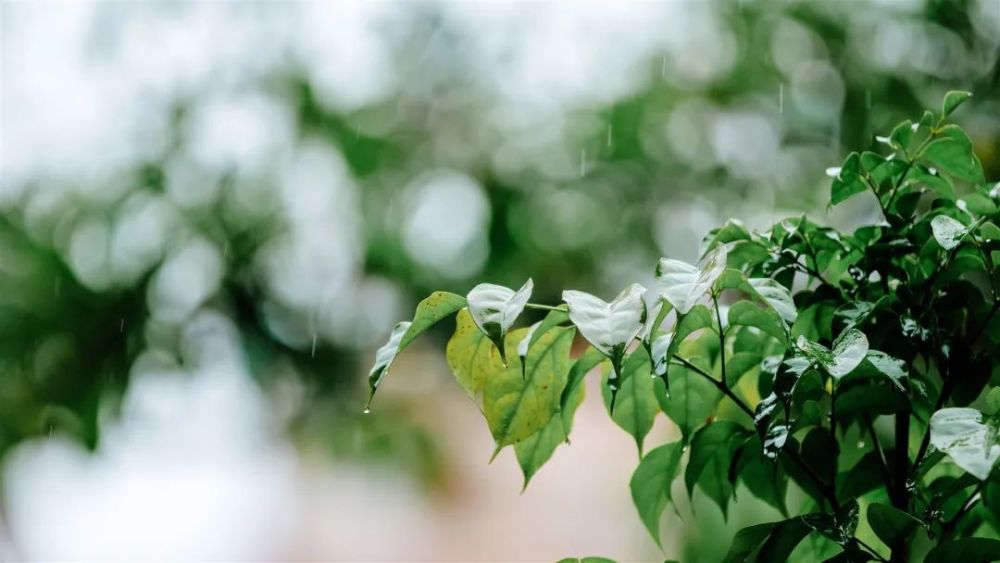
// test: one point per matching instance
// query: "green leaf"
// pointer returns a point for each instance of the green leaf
(698, 318)
(712, 450)
(470, 355)
(553, 318)
(769, 542)
(966, 550)
(650, 484)
(777, 296)
(847, 180)
(947, 231)
(432, 309)
(581, 367)
(691, 399)
(849, 349)
(635, 407)
(383, 359)
(535, 450)
(895, 369)
(746, 313)
(740, 364)
(890, 524)
(517, 405)
(952, 100)
(494, 309)
(435, 307)
(951, 153)
(968, 438)
(683, 284)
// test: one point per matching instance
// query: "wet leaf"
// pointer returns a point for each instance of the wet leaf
(519, 404)
(968, 438)
(683, 284)
(494, 309)
(384, 358)
(635, 405)
(947, 231)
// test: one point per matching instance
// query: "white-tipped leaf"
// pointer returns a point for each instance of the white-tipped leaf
(968, 438)
(683, 284)
(494, 309)
(849, 349)
(384, 358)
(947, 231)
(607, 326)
(777, 296)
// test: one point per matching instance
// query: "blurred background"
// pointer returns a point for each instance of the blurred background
(211, 214)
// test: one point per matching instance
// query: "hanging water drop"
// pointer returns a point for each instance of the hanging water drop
(861, 444)
(313, 353)
(367, 410)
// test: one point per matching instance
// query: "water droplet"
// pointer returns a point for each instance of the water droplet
(781, 98)
(861, 444)
(583, 162)
(121, 326)
(314, 346)
(367, 410)
(609, 134)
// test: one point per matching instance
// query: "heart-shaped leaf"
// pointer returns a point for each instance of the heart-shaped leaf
(849, 349)
(494, 309)
(609, 327)
(968, 438)
(683, 284)
(517, 403)
(895, 369)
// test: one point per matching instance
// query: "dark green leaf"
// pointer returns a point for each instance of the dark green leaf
(952, 100)
(890, 524)
(712, 450)
(635, 405)
(966, 550)
(651, 482)
(847, 181)
(951, 153)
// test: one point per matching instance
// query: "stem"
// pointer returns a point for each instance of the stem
(722, 340)
(880, 451)
(926, 441)
(546, 307)
(718, 384)
(898, 493)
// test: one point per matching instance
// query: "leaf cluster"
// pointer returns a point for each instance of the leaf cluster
(855, 367)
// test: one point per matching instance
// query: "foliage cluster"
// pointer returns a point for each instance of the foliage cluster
(857, 367)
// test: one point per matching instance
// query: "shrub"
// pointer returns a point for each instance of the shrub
(856, 366)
